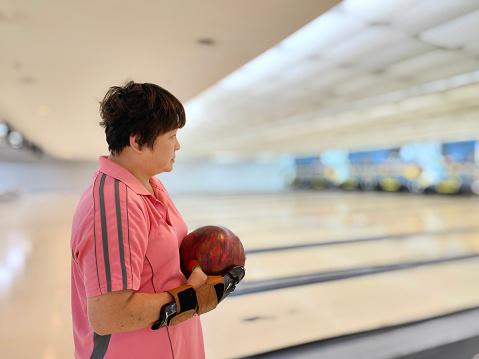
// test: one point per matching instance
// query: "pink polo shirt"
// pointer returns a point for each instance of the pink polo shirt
(125, 238)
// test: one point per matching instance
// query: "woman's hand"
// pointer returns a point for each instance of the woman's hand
(197, 278)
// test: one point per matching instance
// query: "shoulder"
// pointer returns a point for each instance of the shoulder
(110, 191)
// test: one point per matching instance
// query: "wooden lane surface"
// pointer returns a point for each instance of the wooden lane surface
(35, 265)
(260, 322)
(292, 262)
(438, 226)
(270, 220)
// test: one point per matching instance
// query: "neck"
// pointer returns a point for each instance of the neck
(131, 165)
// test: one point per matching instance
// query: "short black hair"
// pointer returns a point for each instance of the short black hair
(147, 110)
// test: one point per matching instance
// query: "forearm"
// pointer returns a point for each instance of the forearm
(125, 310)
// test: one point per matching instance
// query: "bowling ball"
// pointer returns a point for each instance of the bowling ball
(214, 248)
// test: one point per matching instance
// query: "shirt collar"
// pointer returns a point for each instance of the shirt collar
(122, 174)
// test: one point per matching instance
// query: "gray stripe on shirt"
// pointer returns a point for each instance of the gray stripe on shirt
(120, 232)
(104, 233)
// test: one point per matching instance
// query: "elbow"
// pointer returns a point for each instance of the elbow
(100, 322)
(100, 326)
(106, 313)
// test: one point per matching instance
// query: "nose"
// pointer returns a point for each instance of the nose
(177, 146)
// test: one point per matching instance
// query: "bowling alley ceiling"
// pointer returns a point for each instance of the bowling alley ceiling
(258, 78)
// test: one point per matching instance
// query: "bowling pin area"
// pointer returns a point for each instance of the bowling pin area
(321, 265)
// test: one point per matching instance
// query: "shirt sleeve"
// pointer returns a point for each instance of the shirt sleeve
(113, 259)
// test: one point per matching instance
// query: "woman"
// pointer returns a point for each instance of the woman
(125, 238)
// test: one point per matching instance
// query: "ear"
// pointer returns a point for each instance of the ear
(134, 139)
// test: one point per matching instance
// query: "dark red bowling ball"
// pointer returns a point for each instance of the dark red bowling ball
(214, 248)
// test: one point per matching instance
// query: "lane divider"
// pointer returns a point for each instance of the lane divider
(244, 288)
(358, 240)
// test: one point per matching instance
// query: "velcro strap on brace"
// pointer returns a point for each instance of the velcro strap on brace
(186, 303)
(210, 294)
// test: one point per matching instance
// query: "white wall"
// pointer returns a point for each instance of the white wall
(198, 177)
(187, 177)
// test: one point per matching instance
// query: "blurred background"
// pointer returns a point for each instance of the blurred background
(338, 139)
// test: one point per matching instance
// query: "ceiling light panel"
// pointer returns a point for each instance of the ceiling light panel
(328, 28)
(394, 52)
(422, 102)
(328, 79)
(261, 91)
(472, 48)
(423, 62)
(318, 78)
(385, 86)
(266, 65)
(382, 111)
(364, 43)
(376, 10)
(456, 33)
(426, 14)
(359, 83)
(196, 110)
(457, 67)
(304, 70)
(465, 94)
(463, 79)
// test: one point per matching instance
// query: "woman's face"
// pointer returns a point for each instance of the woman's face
(162, 156)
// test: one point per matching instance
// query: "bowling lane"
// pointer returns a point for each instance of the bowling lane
(316, 259)
(415, 228)
(285, 219)
(410, 228)
(281, 318)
